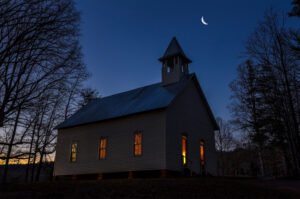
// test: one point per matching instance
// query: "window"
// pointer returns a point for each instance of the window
(202, 153)
(102, 149)
(184, 143)
(74, 152)
(137, 144)
(168, 69)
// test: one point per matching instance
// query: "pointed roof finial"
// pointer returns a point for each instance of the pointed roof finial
(174, 49)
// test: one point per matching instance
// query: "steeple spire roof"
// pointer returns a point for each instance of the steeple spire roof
(173, 50)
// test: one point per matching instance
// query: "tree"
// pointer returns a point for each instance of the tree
(87, 95)
(39, 54)
(246, 108)
(266, 92)
(38, 47)
(296, 8)
(294, 34)
(224, 141)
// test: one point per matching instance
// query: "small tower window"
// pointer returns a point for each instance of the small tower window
(184, 153)
(74, 149)
(138, 144)
(170, 66)
(102, 149)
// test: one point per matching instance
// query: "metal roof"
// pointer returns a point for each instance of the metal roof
(174, 49)
(142, 99)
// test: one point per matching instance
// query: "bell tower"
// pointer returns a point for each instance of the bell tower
(174, 63)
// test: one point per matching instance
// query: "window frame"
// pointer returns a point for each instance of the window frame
(141, 143)
(71, 152)
(99, 148)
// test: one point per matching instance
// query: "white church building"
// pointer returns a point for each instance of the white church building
(165, 128)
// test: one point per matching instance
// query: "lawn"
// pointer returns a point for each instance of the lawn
(154, 188)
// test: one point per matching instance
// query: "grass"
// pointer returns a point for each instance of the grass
(151, 188)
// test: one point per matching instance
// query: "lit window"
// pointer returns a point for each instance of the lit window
(102, 150)
(74, 151)
(137, 144)
(184, 142)
(202, 153)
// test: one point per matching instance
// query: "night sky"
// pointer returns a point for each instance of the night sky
(122, 41)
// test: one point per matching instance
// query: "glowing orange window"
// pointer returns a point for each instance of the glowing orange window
(137, 144)
(102, 152)
(184, 142)
(73, 152)
(202, 152)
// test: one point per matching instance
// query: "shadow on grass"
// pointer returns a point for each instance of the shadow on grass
(151, 188)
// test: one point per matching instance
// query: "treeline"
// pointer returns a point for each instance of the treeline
(265, 95)
(41, 76)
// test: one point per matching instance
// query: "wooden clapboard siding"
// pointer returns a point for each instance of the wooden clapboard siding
(188, 114)
(120, 156)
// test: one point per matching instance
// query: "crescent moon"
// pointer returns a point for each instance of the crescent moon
(202, 20)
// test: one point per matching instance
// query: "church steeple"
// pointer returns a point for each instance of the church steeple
(174, 63)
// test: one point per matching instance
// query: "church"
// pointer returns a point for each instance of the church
(166, 128)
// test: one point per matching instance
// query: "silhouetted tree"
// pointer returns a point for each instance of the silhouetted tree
(224, 141)
(266, 92)
(39, 54)
(246, 107)
(87, 95)
(296, 8)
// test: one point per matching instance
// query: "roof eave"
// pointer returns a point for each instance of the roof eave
(211, 115)
(167, 57)
(93, 122)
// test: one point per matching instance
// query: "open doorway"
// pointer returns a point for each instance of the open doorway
(202, 158)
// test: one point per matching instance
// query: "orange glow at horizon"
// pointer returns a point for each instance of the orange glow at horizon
(15, 161)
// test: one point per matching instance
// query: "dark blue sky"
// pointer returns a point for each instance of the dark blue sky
(122, 41)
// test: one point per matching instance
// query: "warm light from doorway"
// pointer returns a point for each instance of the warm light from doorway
(202, 152)
(184, 141)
